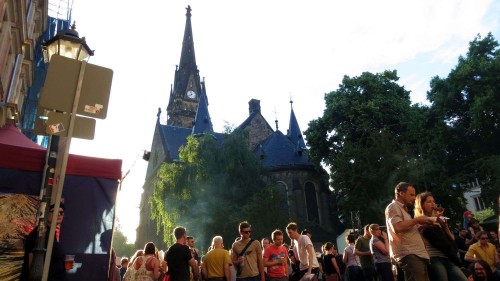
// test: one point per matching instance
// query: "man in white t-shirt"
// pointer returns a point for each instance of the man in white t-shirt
(304, 247)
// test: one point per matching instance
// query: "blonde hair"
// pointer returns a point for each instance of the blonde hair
(372, 228)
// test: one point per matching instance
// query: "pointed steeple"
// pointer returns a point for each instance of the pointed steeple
(294, 133)
(202, 122)
(184, 97)
(188, 59)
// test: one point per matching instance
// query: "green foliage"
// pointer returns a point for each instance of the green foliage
(212, 189)
(484, 214)
(120, 245)
(371, 137)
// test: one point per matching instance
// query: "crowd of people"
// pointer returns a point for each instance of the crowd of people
(421, 247)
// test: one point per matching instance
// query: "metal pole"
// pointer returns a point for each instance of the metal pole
(45, 195)
(60, 170)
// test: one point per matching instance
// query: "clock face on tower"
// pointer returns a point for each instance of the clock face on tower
(191, 94)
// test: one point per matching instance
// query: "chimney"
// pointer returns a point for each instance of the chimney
(253, 106)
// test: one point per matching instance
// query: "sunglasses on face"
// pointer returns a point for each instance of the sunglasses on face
(246, 231)
(60, 212)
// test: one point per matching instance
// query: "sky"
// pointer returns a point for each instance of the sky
(273, 51)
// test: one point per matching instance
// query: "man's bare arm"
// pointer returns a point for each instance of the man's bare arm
(194, 266)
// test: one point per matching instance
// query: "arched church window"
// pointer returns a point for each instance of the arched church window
(312, 203)
(283, 198)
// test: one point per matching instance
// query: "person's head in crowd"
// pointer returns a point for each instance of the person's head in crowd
(462, 232)
(190, 241)
(350, 238)
(482, 271)
(292, 230)
(307, 232)
(468, 215)
(124, 262)
(265, 243)
(217, 242)
(474, 223)
(482, 237)
(366, 230)
(180, 234)
(59, 214)
(424, 204)
(405, 193)
(149, 248)
(277, 237)
(493, 235)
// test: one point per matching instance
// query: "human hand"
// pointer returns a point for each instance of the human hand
(384, 235)
(424, 220)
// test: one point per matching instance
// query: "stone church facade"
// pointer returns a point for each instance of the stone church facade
(283, 155)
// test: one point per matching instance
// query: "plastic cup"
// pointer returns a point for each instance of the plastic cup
(69, 262)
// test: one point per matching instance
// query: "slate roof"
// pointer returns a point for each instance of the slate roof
(278, 152)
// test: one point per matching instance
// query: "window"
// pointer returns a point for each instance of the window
(478, 202)
(312, 203)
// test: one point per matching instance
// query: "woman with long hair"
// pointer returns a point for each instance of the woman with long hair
(439, 241)
(379, 246)
(147, 266)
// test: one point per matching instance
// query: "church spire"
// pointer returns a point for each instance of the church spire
(185, 97)
(294, 133)
(188, 59)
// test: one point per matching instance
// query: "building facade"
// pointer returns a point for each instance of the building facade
(283, 155)
(22, 23)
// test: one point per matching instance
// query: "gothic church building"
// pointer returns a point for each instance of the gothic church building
(284, 155)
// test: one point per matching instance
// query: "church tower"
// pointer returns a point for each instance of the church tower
(187, 89)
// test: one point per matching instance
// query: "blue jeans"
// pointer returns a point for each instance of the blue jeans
(385, 271)
(442, 269)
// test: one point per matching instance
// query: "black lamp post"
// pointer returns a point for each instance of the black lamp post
(66, 43)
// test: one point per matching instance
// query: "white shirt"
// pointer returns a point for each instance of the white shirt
(301, 248)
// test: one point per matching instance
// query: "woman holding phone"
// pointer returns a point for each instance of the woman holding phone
(379, 246)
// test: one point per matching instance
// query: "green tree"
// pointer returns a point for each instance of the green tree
(210, 189)
(362, 138)
(120, 245)
(467, 101)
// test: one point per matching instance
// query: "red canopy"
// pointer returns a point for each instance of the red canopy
(19, 152)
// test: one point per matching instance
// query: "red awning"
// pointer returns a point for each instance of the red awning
(19, 152)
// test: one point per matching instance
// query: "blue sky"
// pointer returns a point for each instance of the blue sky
(267, 50)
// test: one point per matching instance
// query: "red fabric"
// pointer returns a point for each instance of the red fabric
(19, 152)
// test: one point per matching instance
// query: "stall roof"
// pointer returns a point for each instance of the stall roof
(19, 152)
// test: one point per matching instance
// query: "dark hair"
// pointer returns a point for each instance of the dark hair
(189, 238)
(480, 233)
(179, 232)
(149, 248)
(305, 232)
(244, 224)
(485, 265)
(292, 226)
(401, 187)
(275, 233)
(61, 206)
(350, 238)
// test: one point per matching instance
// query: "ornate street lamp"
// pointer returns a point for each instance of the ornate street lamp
(66, 43)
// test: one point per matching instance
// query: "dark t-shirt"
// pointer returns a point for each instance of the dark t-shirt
(177, 258)
(57, 271)
(328, 267)
(363, 245)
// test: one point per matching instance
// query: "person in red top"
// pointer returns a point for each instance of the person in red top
(275, 257)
